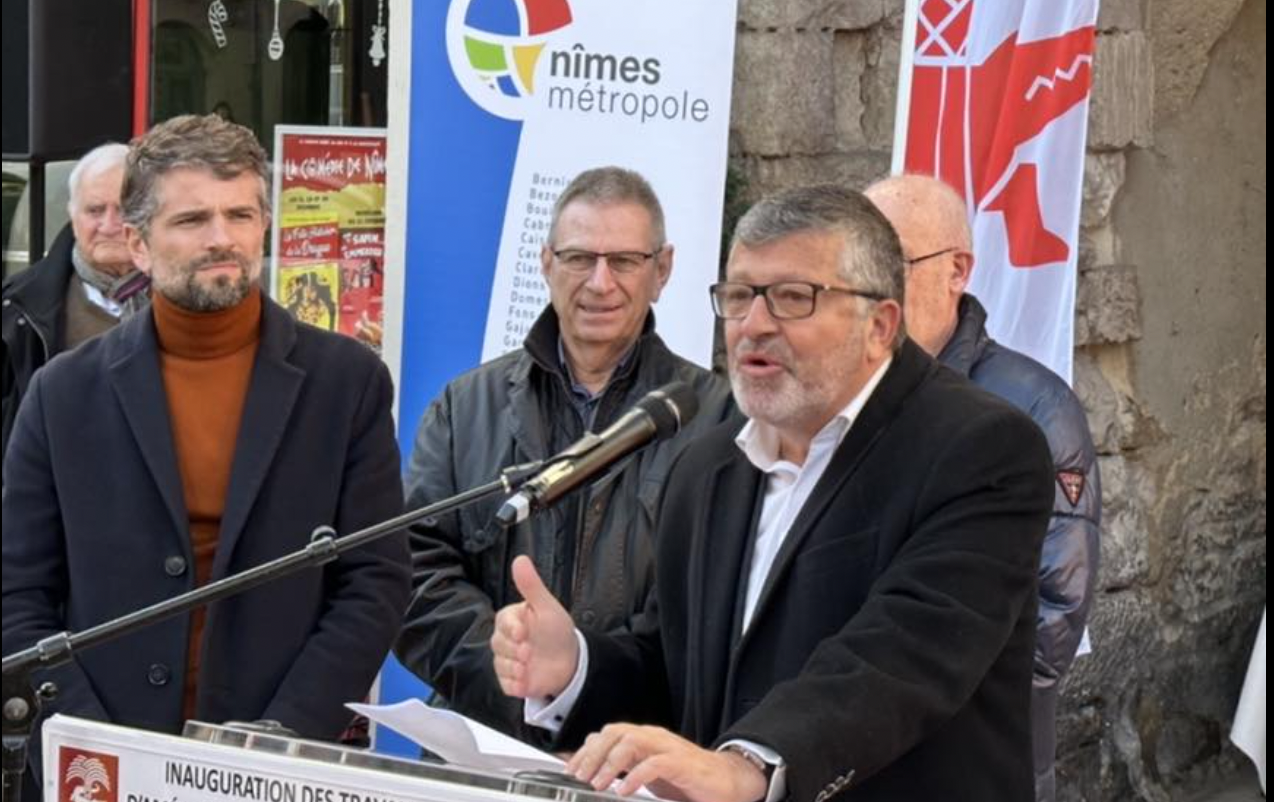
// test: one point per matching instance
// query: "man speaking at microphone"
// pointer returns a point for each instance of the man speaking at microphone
(845, 584)
(591, 355)
(223, 433)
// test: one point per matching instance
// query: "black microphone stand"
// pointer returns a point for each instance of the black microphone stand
(22, 699)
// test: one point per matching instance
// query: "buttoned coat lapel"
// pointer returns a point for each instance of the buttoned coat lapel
(135, 377)
(721, 545)
(272, 392)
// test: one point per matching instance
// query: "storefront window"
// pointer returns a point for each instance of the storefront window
(19, 193)
(264, 63)
(16, 251)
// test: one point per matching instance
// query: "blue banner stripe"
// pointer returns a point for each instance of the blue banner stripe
(461, 165)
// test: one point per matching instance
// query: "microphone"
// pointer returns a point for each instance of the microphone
(658, 416)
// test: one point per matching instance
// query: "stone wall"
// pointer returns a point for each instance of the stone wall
(1170, 339)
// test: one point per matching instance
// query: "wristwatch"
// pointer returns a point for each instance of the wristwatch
(758, 762)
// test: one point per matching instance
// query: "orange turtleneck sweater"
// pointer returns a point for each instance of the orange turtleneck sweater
(206, 361)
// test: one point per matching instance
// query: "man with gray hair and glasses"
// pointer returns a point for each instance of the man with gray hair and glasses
(590, 356)
(222, 434)
(84, 285)
(845, 584)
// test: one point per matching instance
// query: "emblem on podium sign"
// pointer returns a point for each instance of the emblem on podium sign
(85, 776)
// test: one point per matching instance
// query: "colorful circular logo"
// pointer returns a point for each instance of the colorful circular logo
(495, 45)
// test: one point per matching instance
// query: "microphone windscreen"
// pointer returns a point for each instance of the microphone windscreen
(670, 407)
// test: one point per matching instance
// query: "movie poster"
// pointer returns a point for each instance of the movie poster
(328, 256)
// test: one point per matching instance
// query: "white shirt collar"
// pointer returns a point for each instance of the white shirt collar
(760, 441)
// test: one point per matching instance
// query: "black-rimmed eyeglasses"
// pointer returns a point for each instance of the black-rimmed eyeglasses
(928, 256)
(579, 261)
(785, 300)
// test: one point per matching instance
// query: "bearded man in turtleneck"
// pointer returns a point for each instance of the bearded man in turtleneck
(222, 434)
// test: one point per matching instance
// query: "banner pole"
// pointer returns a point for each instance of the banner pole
(906, 65)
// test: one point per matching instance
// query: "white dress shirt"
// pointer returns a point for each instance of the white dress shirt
(788, 485)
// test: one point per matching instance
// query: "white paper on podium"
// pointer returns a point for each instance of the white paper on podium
(457, 739)
(462, 741)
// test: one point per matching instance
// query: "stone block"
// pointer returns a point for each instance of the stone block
(848, 15)
(849, 64)
(1116, 421)
(1107, 306)
(1120, 15)
(1088, 258)
(1125, 556)
(1122, 110)
(783, 93)
(1184, 33)
(1097, 247)
(1086, 773)
(1103, 178)
(841, 15)
(880, 83)
(1224, 559)
(1182, 742)
(854, 170)
(1122, 627)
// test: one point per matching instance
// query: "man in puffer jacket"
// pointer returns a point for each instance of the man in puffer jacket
(942, 318)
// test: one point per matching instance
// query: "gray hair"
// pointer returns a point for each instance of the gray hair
(98, 160)
(207, 142)
(871, 257)
(609, 186)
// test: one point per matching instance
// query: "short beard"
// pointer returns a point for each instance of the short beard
(780, 404)
(187, 292)
(789, 401)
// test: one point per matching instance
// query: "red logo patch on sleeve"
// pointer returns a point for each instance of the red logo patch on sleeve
(1072, 484)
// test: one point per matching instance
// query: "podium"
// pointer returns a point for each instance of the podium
(88, 760)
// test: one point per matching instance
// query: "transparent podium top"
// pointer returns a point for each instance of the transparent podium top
(532, 785)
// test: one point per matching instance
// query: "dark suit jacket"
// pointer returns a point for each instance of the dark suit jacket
(890, 654)
(95, 526)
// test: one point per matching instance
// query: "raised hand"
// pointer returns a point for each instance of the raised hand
(536, 652)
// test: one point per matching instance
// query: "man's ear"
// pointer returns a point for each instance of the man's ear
(138, 248)
(886, 317)
(663, 269)
(961, 272)
(546, 259)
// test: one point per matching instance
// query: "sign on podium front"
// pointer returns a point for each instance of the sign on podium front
(88, 760)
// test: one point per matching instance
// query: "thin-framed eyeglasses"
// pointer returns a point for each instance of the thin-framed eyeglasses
(581, 261)
(785, 300)
(928, 256)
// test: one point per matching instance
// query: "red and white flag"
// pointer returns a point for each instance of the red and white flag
(993, 99)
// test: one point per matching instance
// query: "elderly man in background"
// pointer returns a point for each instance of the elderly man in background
(206, 436)
(591, 355)
(84, 285)
(949, 323)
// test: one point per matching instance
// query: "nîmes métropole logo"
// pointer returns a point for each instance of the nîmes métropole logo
(495, 45)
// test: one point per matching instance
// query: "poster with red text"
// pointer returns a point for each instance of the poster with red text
(328, 255)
